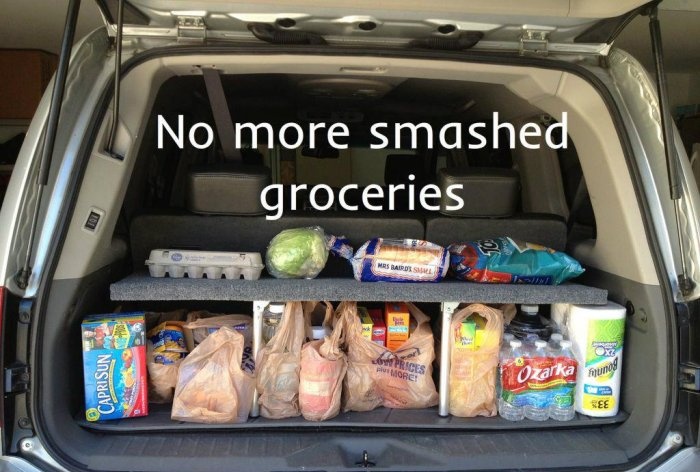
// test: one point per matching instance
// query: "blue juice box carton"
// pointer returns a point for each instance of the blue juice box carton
(114, 366)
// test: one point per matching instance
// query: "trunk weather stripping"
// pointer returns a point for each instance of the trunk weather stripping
(22, 277)
(117, 80)
(685, 283)
(270, 34)
(465, 40)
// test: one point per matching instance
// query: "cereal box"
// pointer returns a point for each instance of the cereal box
(114, 366)
(397, 320)
(378, 326)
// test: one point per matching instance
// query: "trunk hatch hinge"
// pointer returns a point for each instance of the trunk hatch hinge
(191, 28)
(17, 378)
(534, 41)
(689, 377)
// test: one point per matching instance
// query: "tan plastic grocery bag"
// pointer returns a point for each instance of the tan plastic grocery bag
(211, 386)
(162, 378)
(473, 369)
(377, 376)
(278, 366)
(323, 367)
(201, 323)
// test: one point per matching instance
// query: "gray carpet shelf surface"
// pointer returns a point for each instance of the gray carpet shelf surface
(158, 420)
(141, 286)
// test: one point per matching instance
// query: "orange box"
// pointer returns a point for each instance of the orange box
(397, 318)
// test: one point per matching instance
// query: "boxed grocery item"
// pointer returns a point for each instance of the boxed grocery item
(470, 334)
(379, 327)
(397, 319)
(114, 366)
(366, 322)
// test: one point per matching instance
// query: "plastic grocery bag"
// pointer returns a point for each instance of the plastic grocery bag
(162, 369)
(323, 367)
(473, 363)
(201, 324)
(162, 378)
(278, 366)
(400, 260)
(377, 376)
(211, 386)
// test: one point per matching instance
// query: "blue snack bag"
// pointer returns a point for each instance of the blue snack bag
(506, 261)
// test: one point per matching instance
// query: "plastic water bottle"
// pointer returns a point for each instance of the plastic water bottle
(562, 407)
(505, 346)
(510, 411)
(554, 341)
(537, 407)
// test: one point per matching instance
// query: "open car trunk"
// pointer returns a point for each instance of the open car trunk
(143, 205)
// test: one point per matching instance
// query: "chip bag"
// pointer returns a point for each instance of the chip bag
(377, 376)
(399, 260)
(323, 367)
(211, 386)
(473, 362)
(507, 261)
(278, 366)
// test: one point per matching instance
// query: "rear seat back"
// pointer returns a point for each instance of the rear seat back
(490, 210)
(547, 230)
(253, 233)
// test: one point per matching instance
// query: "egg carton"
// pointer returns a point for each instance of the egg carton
(196, 264)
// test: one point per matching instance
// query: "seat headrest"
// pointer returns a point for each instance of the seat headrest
(487, 192)
(399, 166)
(227, 189)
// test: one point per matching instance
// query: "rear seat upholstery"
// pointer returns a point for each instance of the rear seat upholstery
(547, 230)
(253, 233)
(490, 208)
(250, 233)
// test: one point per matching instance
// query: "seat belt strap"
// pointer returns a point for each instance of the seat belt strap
(580, 197)
(222, 117)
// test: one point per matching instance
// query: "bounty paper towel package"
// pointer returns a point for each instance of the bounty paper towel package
(597, 334)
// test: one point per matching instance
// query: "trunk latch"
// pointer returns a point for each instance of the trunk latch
(17, 378)
(191, 28)
(689, 377)
(365, 462)
(534, 41)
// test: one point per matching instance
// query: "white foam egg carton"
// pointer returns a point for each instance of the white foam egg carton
(196, 264)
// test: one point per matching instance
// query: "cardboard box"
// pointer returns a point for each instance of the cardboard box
(379, 327)
(114, 366)
(24, 76)
(470, 334)
(366, 322)
(397, 319)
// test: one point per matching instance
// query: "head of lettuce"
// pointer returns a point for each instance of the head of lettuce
(298, 253)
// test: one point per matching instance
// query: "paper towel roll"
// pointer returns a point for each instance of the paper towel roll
(597, 335)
